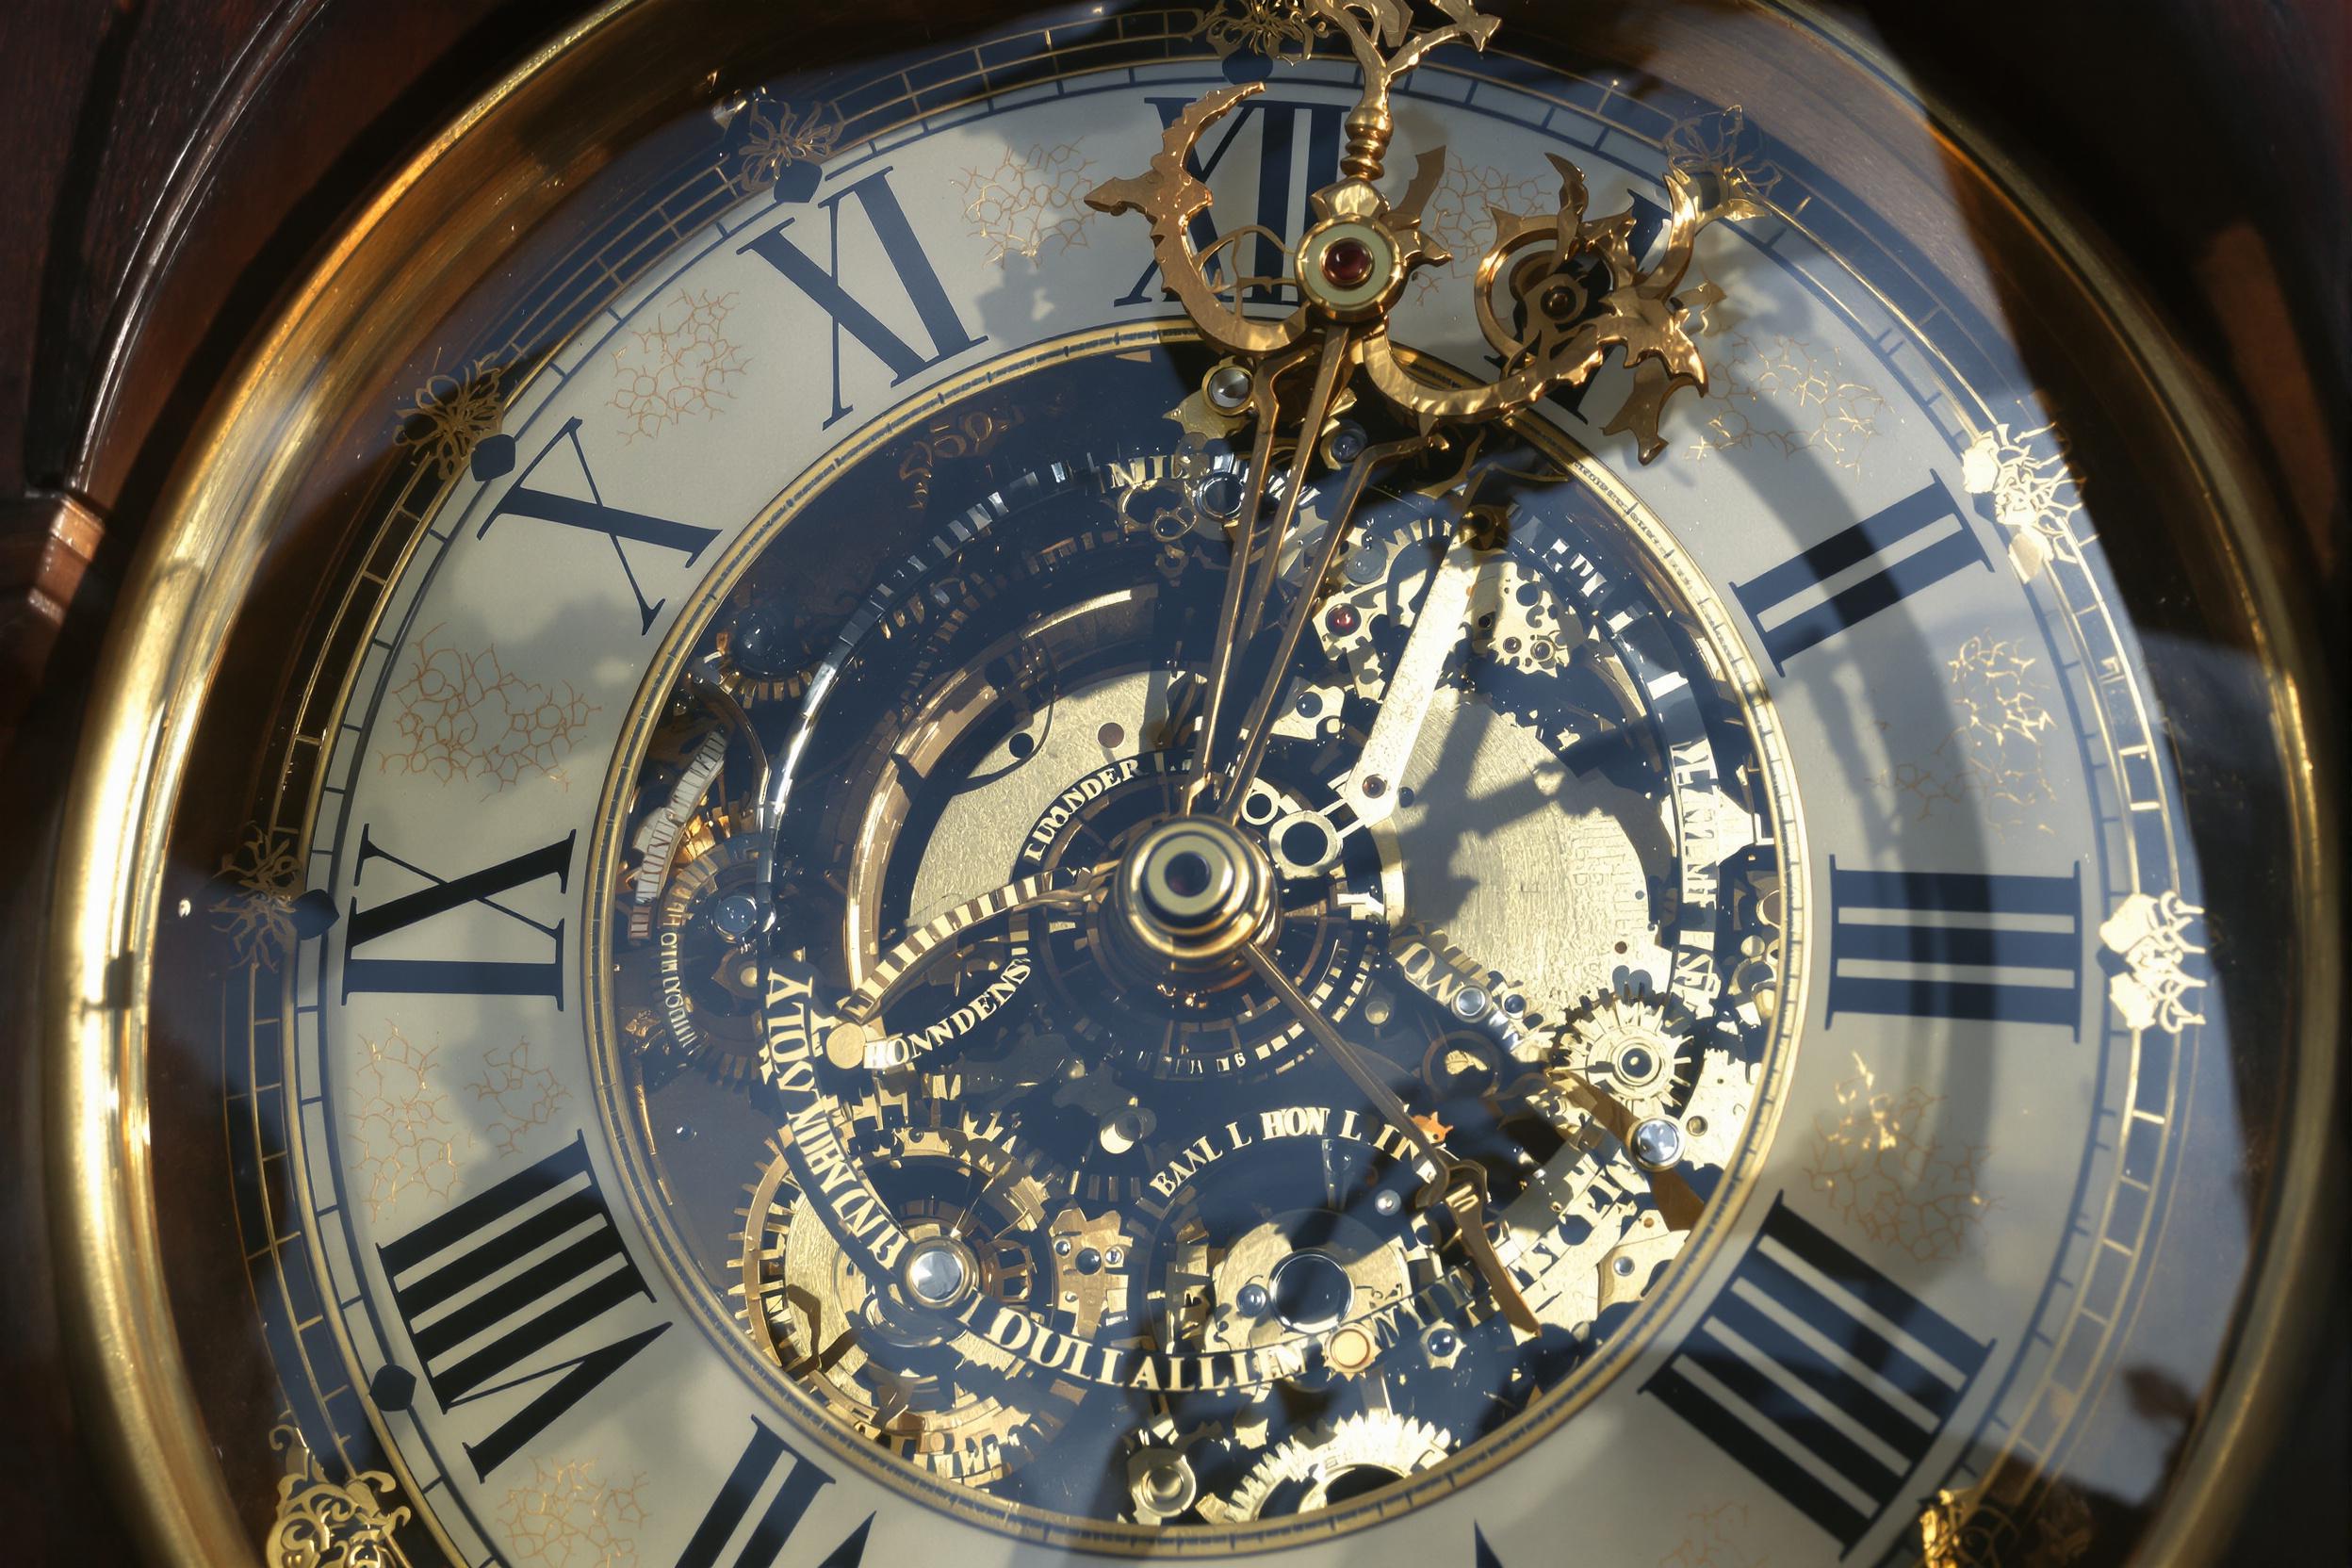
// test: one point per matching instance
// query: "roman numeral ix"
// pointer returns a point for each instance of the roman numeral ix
(525, 499)
(504, 1279)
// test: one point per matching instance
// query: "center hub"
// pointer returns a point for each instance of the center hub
(1192, 890)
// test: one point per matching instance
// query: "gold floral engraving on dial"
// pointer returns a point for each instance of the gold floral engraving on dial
(1782, 394)
(401, 1137)
(1469, 210)
(1717, 1537)
(1888, 1175)
(2151, 934)
(524, 1093)
(451, 413)
(567, 1515)
(322, 1522)
(679, 366)
(1991, 763)
(256, 911)
(1031, 204)
(2035, 493)
(460, 714)
(1722, 139)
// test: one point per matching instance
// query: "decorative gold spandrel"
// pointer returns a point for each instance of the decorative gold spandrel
(1717, 1537)
(2151, 934)
(451, 413)
(567, 1515)
(777, 140)
(1991, 763)
(680, 366)
(1782, 394)
(1279, 30)
(327, 1524)
(524, 1094)
(1887, 1175)
(2036, 495)
(1979, 1528)
(1030, 204)
(264, 877)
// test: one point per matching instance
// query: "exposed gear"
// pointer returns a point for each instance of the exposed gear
(1330, 1463)
(1635, 1047)
(943, 1401)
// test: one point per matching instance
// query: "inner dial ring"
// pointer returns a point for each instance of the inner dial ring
(978, 879)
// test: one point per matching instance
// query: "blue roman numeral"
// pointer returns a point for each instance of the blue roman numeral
(475, 1325)
(1837, 1432)
(1956, 944)
(524, 499)
(916, 275)
(767, 1459)
(1805, 613)
(1283, 206)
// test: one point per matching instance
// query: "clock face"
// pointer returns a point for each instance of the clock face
(1286, 778)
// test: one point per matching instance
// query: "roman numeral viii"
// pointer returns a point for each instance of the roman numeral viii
(1824, 1378)
(504, 1281)
(1956, 944)
(822, 281)
(442, 896)
(1852, 575)
(760, 1507)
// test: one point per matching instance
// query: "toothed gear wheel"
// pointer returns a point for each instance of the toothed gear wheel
(941, 1403)
(1635, 1047)
(1330, 1464)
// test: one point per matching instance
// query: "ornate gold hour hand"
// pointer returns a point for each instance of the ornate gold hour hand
(1575, 290)
(1459, 1184)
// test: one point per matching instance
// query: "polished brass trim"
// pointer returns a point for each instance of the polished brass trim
(122, 1340)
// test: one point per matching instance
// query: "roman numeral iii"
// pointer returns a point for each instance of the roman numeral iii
(1956, 944)
(481, 1327)
(1824, 1378)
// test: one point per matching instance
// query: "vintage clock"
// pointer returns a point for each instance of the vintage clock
(1327, 781)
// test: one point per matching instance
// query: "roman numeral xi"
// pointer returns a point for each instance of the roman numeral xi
(483, 1328)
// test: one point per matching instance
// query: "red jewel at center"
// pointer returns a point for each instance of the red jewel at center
(1347, 263)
